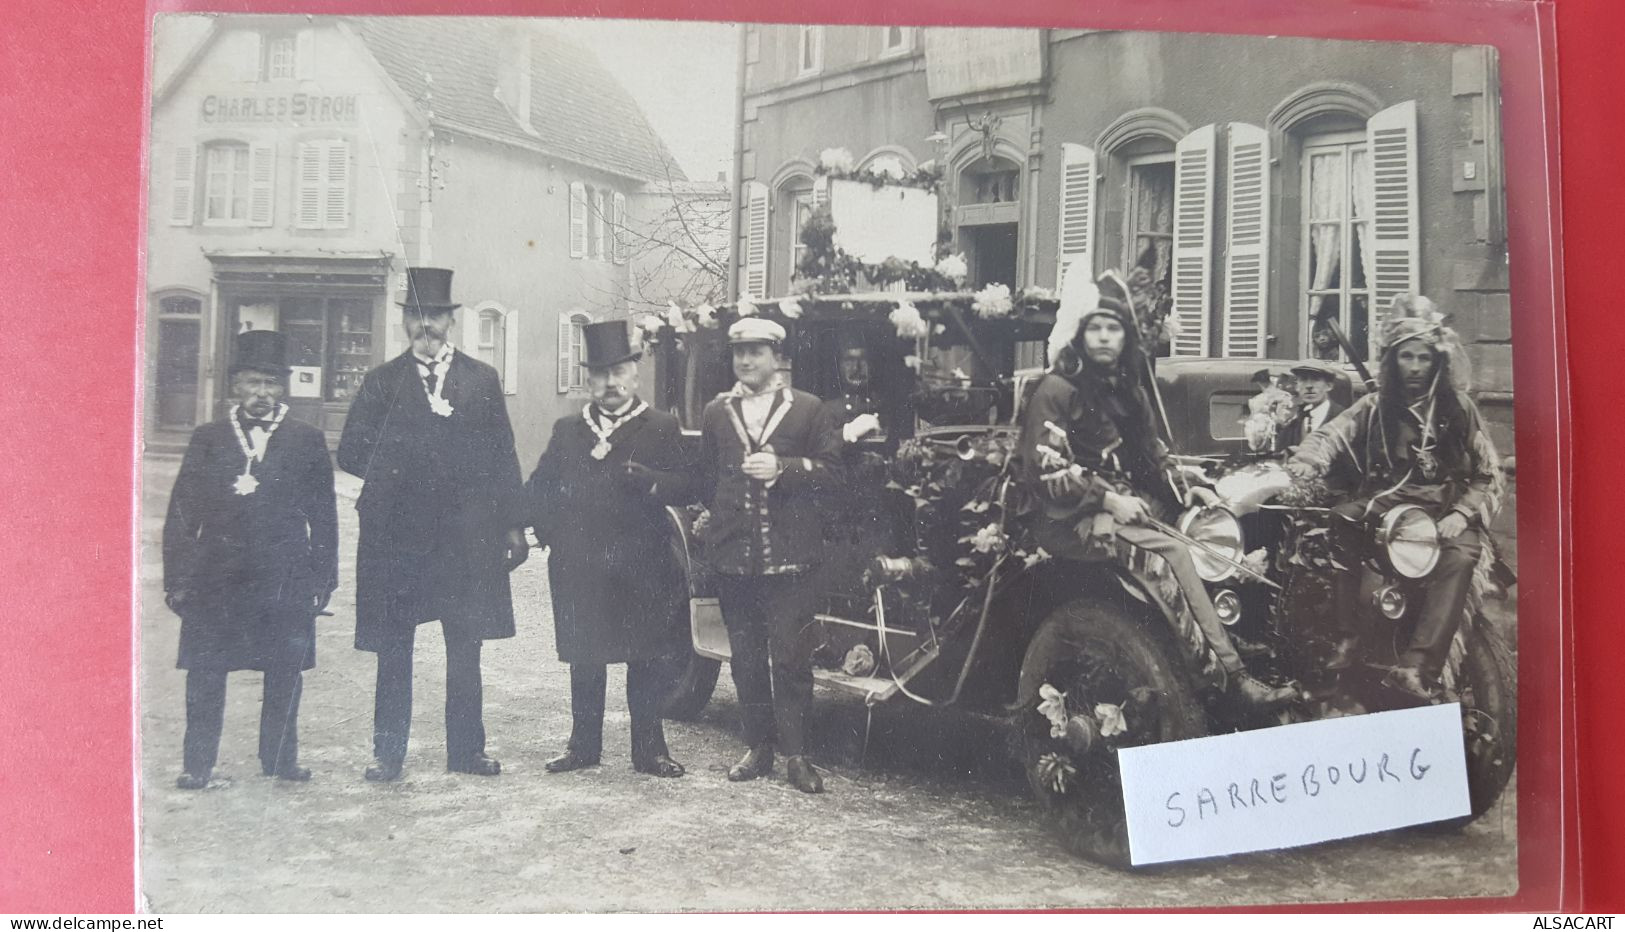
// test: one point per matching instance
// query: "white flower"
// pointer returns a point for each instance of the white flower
(1111, 719)
(790, 308)
(953, 267)
(1258, 561)
(676, 320)
(1259, 429)
(889, 166)
(706, 316)
(746, 307)
(1036, 557)
(836, 161)
(906, 318)
(1053, 707)
(988, 540)
(1038, 293)
(912, 361)
(1170, 325)
(993, 301)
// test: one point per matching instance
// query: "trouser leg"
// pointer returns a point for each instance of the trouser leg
(205, 716)
(792, 638)
(587, 684)
(279, 719)
(742, 615)
(392, 699)
(1444, 601)
(1180, 564)
(465, 717)
(643, 703)
(1349, 538)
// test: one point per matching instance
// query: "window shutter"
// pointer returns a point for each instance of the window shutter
(578, 223)
(1193, 240)
(304, 54)
(308, 211)
(261, 185)
(598, 216)
(183, 187)
(566, 362)
(250, 56)
(820, 191)
(755, 277)
(1247, 241)
(618, 231)
(336, 209)
(510, 353)
(1394, 266)
(1077, 224)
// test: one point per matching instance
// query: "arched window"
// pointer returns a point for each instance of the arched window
(179, 328)
(987, 219)
(794, 196)
(491, 333)
(572, 350)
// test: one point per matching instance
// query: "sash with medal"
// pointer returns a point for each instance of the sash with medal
(775, 415)
(246, 483)
(603, 446)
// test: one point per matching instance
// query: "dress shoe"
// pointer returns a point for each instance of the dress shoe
(802, 775)
(479, 765)
(192, 781)
(569, 761)
(383, 771)
(757, 762)
(1250, 692)
(290, 772)
(662, 766)
(1343, 654)
(1410, 681)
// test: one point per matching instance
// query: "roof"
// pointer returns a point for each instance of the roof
(580, 112)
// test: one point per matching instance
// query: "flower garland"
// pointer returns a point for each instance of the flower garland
(887, 170)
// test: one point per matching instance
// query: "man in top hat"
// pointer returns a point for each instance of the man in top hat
(250, 559)
(597, 501)
(1418, 440)
(1095, 395)
(1315, 402)
(442, 522)
(767, 452)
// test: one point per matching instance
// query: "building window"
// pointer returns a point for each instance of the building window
(987, 221)
(811, 57)
(1150, 241)
(1336, 241)
(995, 182)
(801, 209)
(324, 185)
(225, 185)
(572, 350)
(330, 341)
(895, 40)
(184, 305)
(280, 52)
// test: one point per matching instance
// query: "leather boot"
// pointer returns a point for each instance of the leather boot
(1250, 692)
(757, 762)
(383, 771)
(802, 775)
(192, 781)
(1409, 680)
(569, 761)
(477, 764)
(1344, 653)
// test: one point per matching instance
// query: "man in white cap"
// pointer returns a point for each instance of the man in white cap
(1418, 440)
(1095, 392)
(767, 451)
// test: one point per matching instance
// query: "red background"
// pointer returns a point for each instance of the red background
(73, 114)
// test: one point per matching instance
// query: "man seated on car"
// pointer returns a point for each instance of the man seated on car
(1095, 393)
(1420, 440)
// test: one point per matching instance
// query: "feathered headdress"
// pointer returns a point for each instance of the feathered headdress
(1415, 317)
(1079, 297)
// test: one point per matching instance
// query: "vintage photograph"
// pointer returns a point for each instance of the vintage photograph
(905, 421)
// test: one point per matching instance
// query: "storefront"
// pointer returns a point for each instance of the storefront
(332, 310)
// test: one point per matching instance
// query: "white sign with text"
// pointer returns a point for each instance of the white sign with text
(1294, 784)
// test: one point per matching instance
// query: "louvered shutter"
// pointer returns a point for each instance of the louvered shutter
(578, 220)
(183, 187)
(304, 54)
(249, 55)
(1247, 241)
(1077, 224)
(820, 191)
(618, 229)
(598, 217)
(754, 282)
(261, 185)
(566, 359)
(510, 353)
(308, 210)
(336, 185)
(1193, 240)
(1393, 265)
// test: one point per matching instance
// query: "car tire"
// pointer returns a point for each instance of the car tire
(1486, 687)
(1097, 652)
(691, 678)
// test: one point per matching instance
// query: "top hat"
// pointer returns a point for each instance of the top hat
(755, 330)
(262, 350)
(607, 344)
(429, 290)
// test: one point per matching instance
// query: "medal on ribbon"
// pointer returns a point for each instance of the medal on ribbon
(601, 449)
(440, 406)
(603, 446)
(246, 483)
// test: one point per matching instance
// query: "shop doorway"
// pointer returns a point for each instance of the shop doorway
(178, 342)
(990, 254)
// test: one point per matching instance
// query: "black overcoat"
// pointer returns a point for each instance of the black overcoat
(616, 587)
(251, 563)
(1292, 434)
(439, 495)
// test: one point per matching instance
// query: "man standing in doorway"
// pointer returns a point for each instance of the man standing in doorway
(766, 453)
(442, 523)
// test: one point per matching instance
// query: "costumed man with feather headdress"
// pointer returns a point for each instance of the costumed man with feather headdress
(1095, 391)
(1420, 440)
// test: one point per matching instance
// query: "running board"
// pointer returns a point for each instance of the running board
(877, 689)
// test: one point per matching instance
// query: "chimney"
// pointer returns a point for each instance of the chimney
(514, 77)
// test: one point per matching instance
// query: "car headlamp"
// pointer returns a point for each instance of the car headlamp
(1409, 538)
(1219, 530)
(1227, 605)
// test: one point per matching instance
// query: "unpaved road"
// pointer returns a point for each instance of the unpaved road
(929, 816)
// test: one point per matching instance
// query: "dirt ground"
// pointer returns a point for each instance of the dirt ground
(927, 814)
